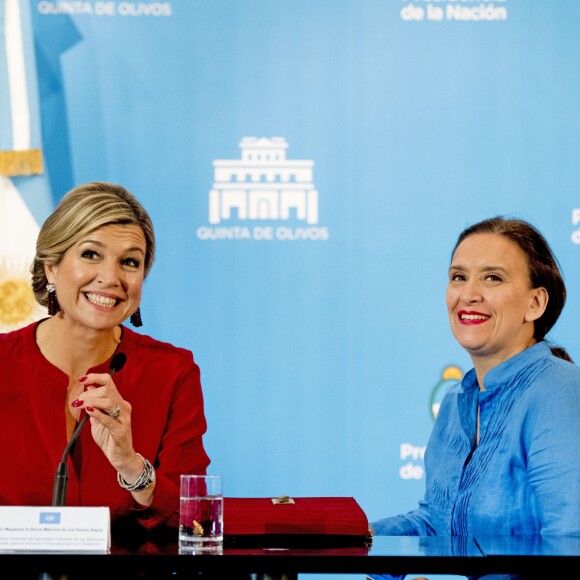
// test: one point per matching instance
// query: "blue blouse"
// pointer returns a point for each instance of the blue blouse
(524, 475)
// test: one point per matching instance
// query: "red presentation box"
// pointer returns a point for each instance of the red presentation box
(294, 522)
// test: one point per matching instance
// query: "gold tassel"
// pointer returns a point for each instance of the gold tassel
(24, 162)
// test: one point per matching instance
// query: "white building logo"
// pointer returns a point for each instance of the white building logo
(263, 186)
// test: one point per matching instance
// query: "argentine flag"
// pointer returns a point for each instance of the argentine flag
(21, 166)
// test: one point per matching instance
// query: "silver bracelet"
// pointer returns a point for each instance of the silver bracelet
(146, 478)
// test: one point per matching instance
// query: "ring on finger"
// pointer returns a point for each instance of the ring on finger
(115, 412)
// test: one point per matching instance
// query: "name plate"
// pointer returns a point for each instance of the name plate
(58, 529)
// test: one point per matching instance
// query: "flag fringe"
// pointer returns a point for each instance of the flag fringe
(24, 162)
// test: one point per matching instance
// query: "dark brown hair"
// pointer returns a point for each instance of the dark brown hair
(543, 267)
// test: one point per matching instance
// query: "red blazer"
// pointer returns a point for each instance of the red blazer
(162, 383)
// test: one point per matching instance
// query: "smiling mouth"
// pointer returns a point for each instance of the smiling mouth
(99, 300)
(473, 317)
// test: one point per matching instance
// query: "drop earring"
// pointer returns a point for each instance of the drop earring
(53, 305)
(136, 318)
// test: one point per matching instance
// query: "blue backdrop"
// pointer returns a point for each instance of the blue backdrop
(382, 128)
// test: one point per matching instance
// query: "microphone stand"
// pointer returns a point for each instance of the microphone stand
(61, 475)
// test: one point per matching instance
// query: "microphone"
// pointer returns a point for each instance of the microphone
(61, 475)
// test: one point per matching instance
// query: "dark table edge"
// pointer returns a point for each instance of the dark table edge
(149, 564)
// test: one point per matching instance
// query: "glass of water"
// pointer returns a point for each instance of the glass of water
(201, 520)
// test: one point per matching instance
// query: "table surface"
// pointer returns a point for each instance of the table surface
(387, 555)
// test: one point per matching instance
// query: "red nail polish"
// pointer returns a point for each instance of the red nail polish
(76, 403)
(90, 409)
(82, 379)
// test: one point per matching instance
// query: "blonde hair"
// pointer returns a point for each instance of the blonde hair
(82, 210)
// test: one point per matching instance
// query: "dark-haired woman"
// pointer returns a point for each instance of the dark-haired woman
(504, 454)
